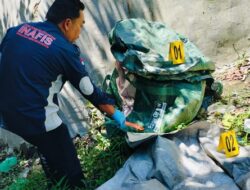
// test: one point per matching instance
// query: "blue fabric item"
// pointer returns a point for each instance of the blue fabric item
(36, 60)
(207, 101)
(120, 118)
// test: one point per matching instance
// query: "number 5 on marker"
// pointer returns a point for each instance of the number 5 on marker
(176, 52)
(229, 143)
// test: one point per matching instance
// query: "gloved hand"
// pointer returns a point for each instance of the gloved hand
(120, 118)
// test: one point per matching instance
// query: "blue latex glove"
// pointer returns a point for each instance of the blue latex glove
(120, 118)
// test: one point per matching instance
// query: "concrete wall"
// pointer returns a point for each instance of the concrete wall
(214, 26)
(219, 28)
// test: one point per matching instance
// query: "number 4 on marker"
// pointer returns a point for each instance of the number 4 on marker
(228, 142)
(176, 52)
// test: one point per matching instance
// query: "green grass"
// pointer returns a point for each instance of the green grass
(100, 158)
(236, 122)
(13, 181)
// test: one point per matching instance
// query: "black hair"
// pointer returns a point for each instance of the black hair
(63, 9)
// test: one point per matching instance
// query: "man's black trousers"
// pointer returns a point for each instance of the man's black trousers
(58, 156)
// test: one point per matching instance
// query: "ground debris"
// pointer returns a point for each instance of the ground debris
(236, 71)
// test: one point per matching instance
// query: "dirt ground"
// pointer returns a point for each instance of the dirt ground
(235, 78)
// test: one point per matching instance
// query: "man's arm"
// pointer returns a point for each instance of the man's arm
(107, 108)
(77, 75)
(104, 104)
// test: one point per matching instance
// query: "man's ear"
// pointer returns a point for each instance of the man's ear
(67, 23)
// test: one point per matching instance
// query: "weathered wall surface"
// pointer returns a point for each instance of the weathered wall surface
(219, 28)
(214, 26)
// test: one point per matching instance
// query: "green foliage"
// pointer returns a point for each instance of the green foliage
(36, 180)
(179, 127)
(228, 120)
(236, 122)
(101, 159)
(13, 181)
(100, 156)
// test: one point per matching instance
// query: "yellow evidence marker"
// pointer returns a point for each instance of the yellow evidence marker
(228, 143)
(176, 52)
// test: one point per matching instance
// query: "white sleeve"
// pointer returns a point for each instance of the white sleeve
(86, 86)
